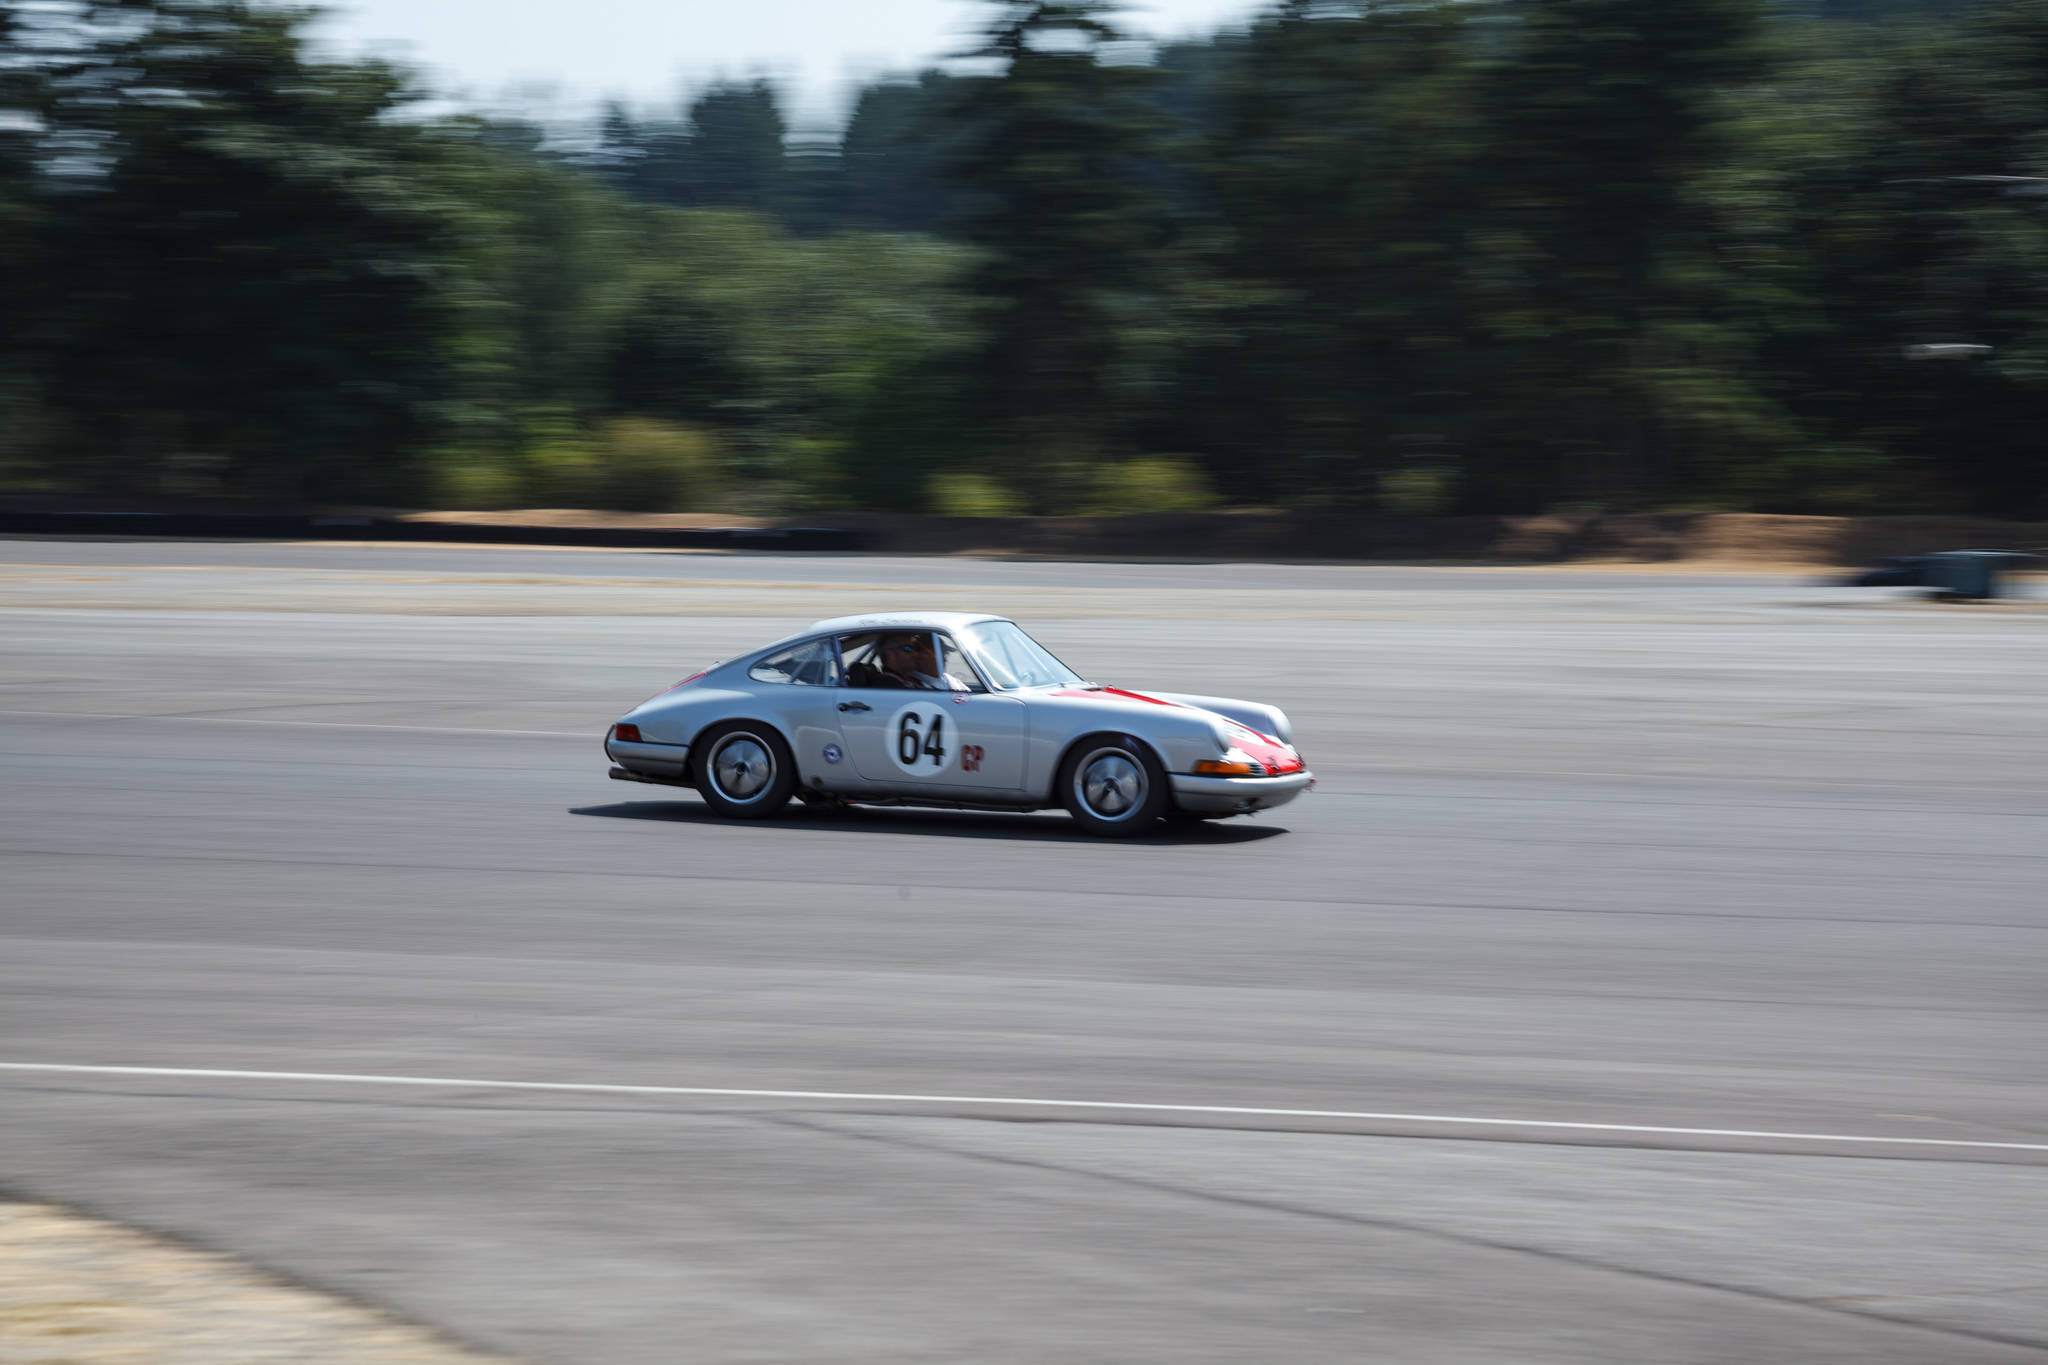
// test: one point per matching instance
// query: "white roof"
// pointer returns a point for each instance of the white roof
(905, 620)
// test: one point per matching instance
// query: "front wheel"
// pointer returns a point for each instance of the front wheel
(1113, 786)
(744, 770)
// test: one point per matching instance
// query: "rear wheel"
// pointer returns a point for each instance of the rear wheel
(744, 770)
(1113, 786)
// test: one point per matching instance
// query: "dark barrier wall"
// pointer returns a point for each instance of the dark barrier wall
(1705, 537)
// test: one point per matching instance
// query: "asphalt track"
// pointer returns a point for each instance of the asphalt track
(1746, 878)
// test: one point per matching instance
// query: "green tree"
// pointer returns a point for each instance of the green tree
(620, 147)
(1335, 163)
(828, 363)
(1601, 115)
(1048, 164)
(733, 149)
(1927, 208)
(249, 264)
(551, 252)
(892, 155)
(729, 150)
(23, 244)
(1881, 11)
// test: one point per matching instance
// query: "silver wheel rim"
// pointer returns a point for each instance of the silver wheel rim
(742, 767)
(1110, 783)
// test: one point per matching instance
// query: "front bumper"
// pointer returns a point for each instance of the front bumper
(1238, 795)
(666, 761)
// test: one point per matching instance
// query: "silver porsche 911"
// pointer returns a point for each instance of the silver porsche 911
(954, 709)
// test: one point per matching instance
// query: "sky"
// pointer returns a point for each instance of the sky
(646, 51)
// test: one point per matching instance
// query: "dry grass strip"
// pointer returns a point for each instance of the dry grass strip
(82, 1291)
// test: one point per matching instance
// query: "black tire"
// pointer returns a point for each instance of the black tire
(1113, 786)
(743, 769)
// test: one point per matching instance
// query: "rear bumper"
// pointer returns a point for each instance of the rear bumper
(1237, 795)
(666, 761)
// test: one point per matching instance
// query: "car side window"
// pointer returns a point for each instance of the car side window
(955, 667)
(861, 654)
(810, 664)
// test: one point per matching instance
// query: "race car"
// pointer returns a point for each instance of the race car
(956, 710)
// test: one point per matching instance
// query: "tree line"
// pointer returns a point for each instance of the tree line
(1429, 257)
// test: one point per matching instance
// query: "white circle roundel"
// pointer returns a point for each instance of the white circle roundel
(920, 739)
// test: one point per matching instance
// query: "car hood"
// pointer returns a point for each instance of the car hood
(1235, 716)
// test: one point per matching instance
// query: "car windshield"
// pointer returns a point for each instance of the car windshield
(1010, 658)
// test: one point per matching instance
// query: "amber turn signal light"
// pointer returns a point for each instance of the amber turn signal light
(1227, 767)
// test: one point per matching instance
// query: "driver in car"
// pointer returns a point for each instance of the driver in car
(913, 661)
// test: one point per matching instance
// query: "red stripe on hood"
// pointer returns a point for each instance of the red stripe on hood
(1265, 748)
(1114, 692)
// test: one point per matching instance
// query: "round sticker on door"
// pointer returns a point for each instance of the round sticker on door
(919, 738)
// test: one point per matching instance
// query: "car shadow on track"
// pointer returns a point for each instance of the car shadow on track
(946, 824)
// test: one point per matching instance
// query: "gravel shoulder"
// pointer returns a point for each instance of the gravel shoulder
(76, 1290)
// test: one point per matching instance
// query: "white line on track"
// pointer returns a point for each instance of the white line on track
(595, 1088)
(306, 724)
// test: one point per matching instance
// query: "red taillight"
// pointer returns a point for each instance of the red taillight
(629, 733)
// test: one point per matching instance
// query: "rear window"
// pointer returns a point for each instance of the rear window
(810, 664)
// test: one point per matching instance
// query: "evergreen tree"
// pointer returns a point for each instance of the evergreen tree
(1048, 168)
(1927, 211)
(23, 244)
(620, 152)
(733, 152)
(1337, 167)
(1881, 11)
(249, 270)
(1601, 115)
(728, 151)
(892, 156)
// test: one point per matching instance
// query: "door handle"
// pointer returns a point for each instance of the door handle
(854, 706)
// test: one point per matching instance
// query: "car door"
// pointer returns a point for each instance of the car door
(941, 744)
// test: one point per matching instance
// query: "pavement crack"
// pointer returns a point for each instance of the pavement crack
(1836, 1307)
(1931, 1294)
